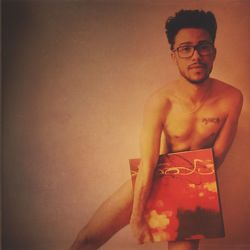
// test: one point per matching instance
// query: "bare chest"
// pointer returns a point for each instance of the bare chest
(191, 130)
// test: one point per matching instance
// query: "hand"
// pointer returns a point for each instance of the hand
(141, 231)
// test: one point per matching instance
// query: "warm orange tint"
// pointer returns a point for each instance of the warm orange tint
(76, 76)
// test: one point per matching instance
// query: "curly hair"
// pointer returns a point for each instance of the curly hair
(190, 19)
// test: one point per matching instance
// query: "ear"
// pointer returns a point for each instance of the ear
(215, 53)
(173, 56)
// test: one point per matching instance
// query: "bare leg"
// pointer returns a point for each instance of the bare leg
(110, 217)
(184, 245)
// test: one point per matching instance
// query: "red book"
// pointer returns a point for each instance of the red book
(184, 201)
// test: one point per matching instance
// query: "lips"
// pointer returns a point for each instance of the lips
(197, 66)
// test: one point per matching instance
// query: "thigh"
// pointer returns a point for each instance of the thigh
(112, 215)
(184, 245)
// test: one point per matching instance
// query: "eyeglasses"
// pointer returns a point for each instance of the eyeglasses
(186, 51)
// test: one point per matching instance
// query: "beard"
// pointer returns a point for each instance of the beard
(196, 79)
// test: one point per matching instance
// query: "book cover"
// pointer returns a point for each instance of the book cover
(184, 201)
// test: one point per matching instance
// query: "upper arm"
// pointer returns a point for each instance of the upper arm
(153, 123)
(228, 131)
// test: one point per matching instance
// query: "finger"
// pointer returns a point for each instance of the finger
(151, 237)
(141, 239)
(148, 235)
(145, 237)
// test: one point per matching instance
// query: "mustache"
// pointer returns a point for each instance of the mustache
(194, 65)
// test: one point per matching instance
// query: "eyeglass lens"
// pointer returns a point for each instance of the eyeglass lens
(188, 51)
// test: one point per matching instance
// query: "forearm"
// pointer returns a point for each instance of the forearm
(142, 190)
(149, 151)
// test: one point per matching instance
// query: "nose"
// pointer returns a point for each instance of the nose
(196, 55)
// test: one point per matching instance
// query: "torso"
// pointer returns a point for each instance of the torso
(195, 129)
(187, 131)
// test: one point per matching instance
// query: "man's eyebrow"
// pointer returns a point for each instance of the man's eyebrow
(185, 43)
(190, 43)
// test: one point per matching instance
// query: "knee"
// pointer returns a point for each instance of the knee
(86, 241)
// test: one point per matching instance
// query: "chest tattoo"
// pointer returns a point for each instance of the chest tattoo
(209, 120)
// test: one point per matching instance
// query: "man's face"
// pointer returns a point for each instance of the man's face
(195, 68)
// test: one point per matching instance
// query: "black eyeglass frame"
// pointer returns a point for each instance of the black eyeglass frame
(195, 47)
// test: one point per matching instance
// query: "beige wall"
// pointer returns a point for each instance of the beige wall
(76, 76)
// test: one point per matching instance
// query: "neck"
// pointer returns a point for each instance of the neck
(193, 92)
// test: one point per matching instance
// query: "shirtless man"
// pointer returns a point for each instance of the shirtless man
(193, 112)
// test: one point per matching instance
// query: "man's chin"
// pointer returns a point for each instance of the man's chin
(197, 81)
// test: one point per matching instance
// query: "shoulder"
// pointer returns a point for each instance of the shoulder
(158, 104)
(227, 92)
(230, 96)
(160, 99)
